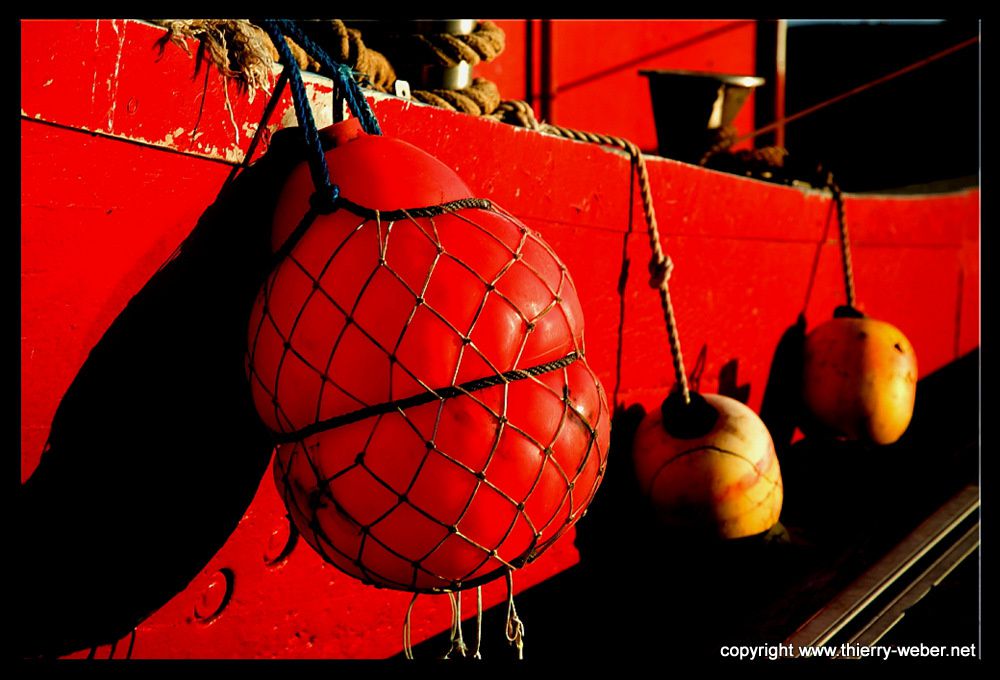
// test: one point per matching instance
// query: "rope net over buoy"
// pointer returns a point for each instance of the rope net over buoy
(418, 354)
(425, 373)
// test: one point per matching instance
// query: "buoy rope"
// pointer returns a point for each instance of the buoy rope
(515, 627)
(660, 264)
(845, 240)
(325, 189)
(347, 88)
(341, 74)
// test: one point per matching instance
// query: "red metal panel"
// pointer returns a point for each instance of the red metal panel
(100, 214)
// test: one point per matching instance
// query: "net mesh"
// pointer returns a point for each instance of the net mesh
(424, 371)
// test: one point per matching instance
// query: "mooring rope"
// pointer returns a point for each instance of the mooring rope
(484, 43)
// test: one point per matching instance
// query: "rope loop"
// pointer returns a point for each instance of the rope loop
(341, 74)
(515, 627)
(303, 111)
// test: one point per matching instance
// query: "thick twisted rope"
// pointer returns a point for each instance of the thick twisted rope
(485, 43)
(238, 49)
(481, 98)
(243, 51)
(346, 46)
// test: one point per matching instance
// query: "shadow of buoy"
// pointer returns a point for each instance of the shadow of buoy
(156, 450)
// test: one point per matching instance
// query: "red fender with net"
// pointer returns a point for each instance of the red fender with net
(419, 354)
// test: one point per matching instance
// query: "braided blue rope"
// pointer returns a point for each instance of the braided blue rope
(326, 191)
(341, 74)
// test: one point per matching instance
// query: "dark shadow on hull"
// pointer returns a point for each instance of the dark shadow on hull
(781, 407)
(156, 450)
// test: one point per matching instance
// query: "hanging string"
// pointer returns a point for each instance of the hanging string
(660, 264)
(407, 645)
(479, 622)
(457, 643)
(515, 627)
(857, 90)
(845, 239)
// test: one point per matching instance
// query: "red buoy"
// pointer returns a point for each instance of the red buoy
(419, 353)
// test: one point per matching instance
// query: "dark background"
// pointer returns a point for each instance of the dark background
(921, 128)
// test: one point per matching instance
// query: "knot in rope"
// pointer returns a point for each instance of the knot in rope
(660, 270)
(660, 264)
(515, 627)
(324, 199)
(457, 642)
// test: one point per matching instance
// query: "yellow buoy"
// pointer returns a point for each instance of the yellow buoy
(860, 378)
(709, 468)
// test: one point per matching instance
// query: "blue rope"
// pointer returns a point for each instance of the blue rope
(341, 74)
(327, 192)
